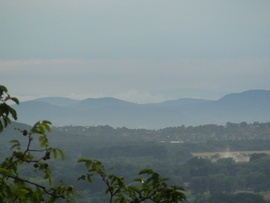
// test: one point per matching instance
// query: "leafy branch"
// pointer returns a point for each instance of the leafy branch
(153, 187)
(5, 109)
(18, 191)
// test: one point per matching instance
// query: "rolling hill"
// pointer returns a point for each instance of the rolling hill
(249, 106)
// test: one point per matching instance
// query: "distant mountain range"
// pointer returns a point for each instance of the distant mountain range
(249, 106)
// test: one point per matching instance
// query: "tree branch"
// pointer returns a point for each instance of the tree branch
(37, 185)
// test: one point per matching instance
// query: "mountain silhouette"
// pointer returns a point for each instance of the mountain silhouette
(248, 106)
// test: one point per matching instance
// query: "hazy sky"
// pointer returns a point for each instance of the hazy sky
(139, 50)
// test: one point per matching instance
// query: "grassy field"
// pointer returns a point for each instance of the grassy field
(239, 156)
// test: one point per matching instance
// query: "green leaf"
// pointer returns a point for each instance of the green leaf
(8, 120)
(55, 155)
(16, 144)
(1, 110)
(41, 128)
(14, 141)
(62, 154)
(3, 88)
(47, 122)
(133, 188)
(22, 192)
(5, 122)
(83, 160)
(47, 127)
(146, 171)
(1, 127)
(138, 180)
(13, 113)
(43, 141)
(89, 178)
(34, 128)
(5, 109)
(87, 162)
(82, 177)
(15, 100)
(5, 171)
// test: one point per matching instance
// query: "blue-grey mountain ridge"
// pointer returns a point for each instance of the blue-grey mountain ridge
(248, 106)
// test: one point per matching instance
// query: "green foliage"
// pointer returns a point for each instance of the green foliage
(149, 187)
(13, 186)
(5, 109)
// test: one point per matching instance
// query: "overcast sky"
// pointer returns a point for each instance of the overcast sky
(139, 50)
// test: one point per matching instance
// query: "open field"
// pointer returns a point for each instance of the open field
(239, 156)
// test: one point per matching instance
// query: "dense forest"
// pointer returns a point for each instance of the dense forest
(174, 152)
